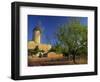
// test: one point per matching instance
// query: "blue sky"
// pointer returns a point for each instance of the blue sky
(49, 25)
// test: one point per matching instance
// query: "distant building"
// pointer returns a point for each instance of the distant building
(36, 40)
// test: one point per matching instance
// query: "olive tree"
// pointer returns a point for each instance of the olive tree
(72, 38)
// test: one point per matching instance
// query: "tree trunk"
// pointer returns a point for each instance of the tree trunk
(74, 59)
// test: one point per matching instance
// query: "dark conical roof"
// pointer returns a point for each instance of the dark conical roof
(37, 27)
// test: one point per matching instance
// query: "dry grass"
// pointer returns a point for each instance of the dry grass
(45, 61)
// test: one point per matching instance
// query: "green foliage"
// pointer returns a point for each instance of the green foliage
(72, 38)
(35, 51)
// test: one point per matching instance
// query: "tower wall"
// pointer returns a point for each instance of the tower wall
(37, 37)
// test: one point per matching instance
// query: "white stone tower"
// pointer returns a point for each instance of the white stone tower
(37, 34)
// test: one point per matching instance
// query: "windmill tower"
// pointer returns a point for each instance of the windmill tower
(37, 34)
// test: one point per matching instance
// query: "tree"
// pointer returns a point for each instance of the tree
(35, 51)
(72, 38)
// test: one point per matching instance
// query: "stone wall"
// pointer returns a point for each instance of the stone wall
(45, 47)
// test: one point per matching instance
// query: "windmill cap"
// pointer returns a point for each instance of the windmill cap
(37, 28)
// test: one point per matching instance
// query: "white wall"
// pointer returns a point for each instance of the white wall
(5, 40)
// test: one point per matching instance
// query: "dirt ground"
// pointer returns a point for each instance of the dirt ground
(44, 61)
